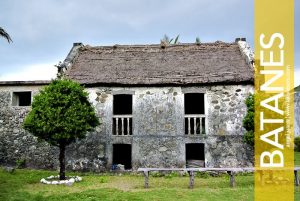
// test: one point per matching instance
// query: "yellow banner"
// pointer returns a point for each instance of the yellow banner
(274, 109)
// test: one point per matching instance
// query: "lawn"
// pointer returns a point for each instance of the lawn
(297, 158)
(24, 185)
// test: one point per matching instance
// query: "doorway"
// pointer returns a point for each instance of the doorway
(122, 155)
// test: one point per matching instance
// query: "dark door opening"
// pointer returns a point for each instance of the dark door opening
(194, 154)
(122, 155)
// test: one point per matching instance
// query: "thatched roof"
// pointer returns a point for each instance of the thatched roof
(24, 83)
(182, 64)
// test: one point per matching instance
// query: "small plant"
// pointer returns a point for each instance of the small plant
(171, 175)
(297, 144)
(156, 174)
(204, 175)
(20, 163)
(103, 180)
(198, 41)
(167, 41)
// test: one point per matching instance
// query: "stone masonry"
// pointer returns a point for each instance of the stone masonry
(158, 138)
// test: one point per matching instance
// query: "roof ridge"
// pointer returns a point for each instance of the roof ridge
(159, 45)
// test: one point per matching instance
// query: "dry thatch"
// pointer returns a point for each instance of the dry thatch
(183, 64)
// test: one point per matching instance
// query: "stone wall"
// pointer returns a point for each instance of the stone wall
(158, 138)
(16, 144)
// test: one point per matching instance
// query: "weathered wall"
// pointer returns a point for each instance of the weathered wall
(158, 138)
(158, 125)
(17, 144)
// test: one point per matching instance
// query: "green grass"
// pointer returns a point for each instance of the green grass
(297, 158)
(24, 185)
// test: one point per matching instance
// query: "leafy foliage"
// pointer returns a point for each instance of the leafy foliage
(297, 143)
(61, 113)
(248, 121)
(167, 40)
(5, 35)
(21, 163)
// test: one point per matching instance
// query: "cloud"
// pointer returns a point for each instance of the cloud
(43, 31)
(32, 72)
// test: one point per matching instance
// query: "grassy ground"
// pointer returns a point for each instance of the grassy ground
(24, 185)
(297, 158)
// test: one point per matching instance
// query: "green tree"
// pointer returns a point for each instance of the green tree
(5, 35)
(61, 113)
(248, 121)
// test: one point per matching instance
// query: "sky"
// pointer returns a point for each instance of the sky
(43, 31)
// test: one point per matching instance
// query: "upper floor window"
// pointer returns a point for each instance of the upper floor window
(194, 103)
(21, 98)
(122, 114)
(122, 104)
(194, 109)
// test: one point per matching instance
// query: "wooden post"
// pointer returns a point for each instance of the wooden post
(191, 174)
(195, 126)
(117, 126)
(122, 126)
(232, 179)
(189, 126)
(296, 177)
(128, 129)
(146, 175)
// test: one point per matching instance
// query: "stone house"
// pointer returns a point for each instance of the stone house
(160, 106)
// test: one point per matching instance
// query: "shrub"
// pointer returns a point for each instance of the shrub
(297, 144)
(20, 163)
(248, 121)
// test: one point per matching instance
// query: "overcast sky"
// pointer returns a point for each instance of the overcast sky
(43, 31)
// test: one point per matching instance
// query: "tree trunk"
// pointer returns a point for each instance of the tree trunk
(62, 148)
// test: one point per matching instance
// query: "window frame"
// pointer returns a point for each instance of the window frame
(194, 91)
(15, 93)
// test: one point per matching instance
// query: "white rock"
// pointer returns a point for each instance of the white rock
(68, 183)
(162, 149)
(54, 182)
(72, 180)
